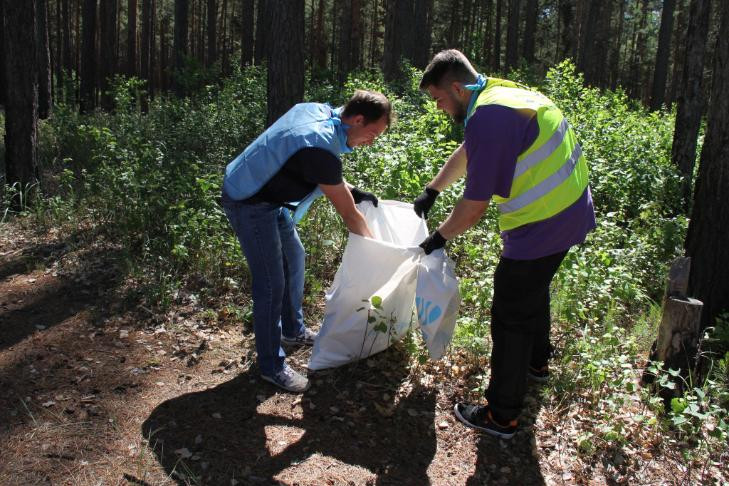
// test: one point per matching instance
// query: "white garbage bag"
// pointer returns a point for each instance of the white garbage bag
(370, 303)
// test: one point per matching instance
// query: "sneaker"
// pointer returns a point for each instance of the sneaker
(304, 339)
(540, 375)
(480, 418)
(289, 379)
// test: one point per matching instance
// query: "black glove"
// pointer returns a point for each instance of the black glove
(433, 242)
(360, 196)
(425, 201)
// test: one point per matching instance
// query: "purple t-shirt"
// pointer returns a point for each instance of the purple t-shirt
(495, 136)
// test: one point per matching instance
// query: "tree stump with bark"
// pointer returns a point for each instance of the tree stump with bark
(678, 333)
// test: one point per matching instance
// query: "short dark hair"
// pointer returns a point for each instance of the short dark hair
(370, 104)
(448, 66)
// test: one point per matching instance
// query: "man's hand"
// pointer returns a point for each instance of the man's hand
(360, 196)
(425, 201)
(433, 242)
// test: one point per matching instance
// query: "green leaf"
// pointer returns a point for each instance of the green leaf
(376, 301)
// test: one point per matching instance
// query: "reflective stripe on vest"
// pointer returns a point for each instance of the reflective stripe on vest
(552, 173)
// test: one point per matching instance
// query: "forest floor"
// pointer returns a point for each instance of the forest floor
(98, 388)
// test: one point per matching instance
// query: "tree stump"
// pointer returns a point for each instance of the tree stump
(678, 333)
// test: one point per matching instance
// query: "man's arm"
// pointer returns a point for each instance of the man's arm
(452, 170)
(343, 202)
(465, 214)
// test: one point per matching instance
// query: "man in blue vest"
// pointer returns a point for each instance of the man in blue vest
(269, 187)
(519, 151)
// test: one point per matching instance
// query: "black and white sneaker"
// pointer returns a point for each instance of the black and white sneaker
(478, 417)
(304, 339)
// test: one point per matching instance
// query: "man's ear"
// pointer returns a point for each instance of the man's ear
(358, 120)
(458, 88)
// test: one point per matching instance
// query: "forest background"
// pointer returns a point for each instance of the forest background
(120, 117)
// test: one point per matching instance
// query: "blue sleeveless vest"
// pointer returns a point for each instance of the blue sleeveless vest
(304, 125)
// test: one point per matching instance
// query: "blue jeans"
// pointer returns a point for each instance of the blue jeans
(275, 257)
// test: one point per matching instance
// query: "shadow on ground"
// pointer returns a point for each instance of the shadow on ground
(245, 430)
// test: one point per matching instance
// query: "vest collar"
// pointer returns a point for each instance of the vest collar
(341, 130)
(476, 87)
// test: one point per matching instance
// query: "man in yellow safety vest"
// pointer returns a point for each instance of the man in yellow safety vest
(520, 151)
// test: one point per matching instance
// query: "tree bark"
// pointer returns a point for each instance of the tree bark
(132, 38)
(21, 104)
(286, 58)
(532, 9)
(708, 233)
(44, 59)
(108, 17)
(246, 32)
(662, 54)
(496, 55)
(691, 98)
(88, 57)
(263, 29)
(180, 44)
(679, 41)
(3, 83)
(512, 35)
(212, 13)
(145, 46)
(422, 27)
(568, 28)
(395, 38)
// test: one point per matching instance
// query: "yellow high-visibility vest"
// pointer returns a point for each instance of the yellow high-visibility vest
(552, 173)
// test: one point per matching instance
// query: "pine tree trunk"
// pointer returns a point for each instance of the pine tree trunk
(164, 57)
(263, 28)
(88, 57)
(3, 83)
(246, 32)
(180, 44)
(615, 51)
(422, 27)
(108, 17)
(212, 13)
(319, 53)
(708, 233)
(679, 40)
(397, 37)
(568, 39)
(496, 56)
(132, 38)
(532, 8)
(512, 35)
(662, 54)
(487, 39)
(691, 97)
(44, 59)
(145, 47)
(21, 104)
(345, 40)
(286, 58)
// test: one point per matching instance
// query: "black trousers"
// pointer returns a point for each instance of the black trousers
(520, 325)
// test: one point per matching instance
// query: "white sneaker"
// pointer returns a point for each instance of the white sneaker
(289, 379)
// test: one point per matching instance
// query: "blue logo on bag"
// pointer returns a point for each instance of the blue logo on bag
(426, 315)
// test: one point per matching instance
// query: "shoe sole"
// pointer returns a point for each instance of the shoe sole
(492, 432)
(292, 390)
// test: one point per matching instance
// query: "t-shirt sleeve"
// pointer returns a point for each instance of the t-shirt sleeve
(318, 166)
(495, 136)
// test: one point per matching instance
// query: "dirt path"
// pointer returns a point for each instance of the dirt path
(96, 389)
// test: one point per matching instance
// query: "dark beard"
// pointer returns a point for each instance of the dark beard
(460, 116)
